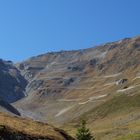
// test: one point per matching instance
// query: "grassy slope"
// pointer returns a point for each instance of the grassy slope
(123, 113)
(116, 119)
(31, 128)
(116, 105)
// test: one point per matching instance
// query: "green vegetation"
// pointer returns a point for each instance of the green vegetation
(83, 132)
(115, 119)
(116, 105)
(129, 137)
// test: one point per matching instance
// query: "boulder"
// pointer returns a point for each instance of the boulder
(121, 81)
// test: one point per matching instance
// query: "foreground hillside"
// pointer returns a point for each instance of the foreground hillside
(14, 128)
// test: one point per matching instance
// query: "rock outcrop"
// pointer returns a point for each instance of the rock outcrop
(8, 108)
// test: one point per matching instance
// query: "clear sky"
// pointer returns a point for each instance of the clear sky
(32, 27)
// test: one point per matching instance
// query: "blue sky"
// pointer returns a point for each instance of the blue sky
(32, 27)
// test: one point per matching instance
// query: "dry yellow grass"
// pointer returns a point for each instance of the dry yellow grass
(31, 128)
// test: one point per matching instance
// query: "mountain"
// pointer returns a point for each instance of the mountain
(15, 128)
(12, 83)
(100, 84)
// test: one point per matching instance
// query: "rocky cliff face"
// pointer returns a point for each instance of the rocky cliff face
(12, 83)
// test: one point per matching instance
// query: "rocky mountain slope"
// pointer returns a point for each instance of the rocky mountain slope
(12, 126)
(65, 86)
